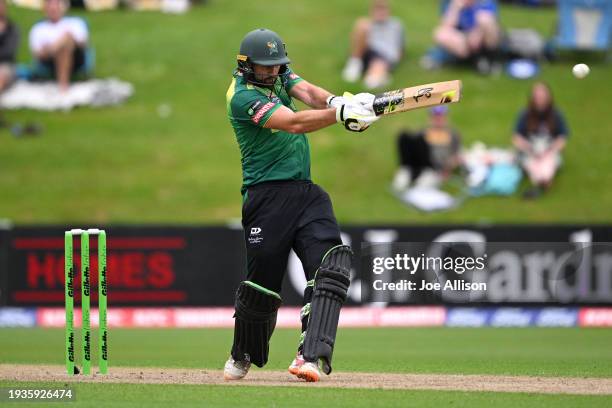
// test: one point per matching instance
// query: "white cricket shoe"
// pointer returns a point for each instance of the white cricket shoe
(401, 180)
(352, 70)
(297, 362)
(236, 370)
(309, 371)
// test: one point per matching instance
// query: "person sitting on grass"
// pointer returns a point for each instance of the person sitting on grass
(470, 30)
(59, 42)
(540, 136)
(429, 156)
(377, 45)
(9, 42)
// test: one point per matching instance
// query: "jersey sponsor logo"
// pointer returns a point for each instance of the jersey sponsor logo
(272, 47)
(253, 108)
(261, 112)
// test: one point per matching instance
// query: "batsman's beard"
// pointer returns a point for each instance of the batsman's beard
(268, 80)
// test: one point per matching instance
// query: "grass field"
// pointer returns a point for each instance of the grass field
(132, 395)
(128, 165)
(530, 352)
(546, 352)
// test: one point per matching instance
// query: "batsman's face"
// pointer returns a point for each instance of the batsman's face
(266, 74)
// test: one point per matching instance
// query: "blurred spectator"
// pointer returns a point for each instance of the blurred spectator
(540, 136)
(377, 45)
(9, 42)
(470, 31)
(427, 157)
(59, 43)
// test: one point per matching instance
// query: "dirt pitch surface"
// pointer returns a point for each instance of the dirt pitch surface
(547, 385)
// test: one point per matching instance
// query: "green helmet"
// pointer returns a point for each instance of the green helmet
(262, 47)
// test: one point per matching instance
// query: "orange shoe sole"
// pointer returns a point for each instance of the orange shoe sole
(230, 378)
(308, 376)
(293, 370)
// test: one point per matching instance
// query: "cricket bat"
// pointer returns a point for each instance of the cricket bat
(416, 97)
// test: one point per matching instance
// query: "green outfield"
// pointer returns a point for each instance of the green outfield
(128, 165)
(578, 353)
(546, 352)
(131, 395)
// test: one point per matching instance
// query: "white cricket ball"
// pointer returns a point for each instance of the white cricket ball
(581, 70)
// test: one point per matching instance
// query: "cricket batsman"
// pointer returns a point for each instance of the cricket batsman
(282, 209)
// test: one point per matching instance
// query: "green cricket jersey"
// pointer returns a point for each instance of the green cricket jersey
(266, 154)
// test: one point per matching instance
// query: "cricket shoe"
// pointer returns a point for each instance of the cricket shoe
(236, 370)
(297, 362)
(309, 371)
(352, 70)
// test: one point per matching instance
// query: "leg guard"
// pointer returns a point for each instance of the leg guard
(255, 316)
(330, 289)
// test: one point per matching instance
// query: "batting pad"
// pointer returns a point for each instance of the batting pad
(256, 310)
(330, 290)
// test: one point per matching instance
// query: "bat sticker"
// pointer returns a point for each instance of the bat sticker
(447, 97)
(423, 92)
(387, 102)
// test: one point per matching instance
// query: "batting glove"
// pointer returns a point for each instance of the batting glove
(366, 100)
(355, 117)
(335, 101)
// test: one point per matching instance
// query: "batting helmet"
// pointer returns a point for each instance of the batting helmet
(262, 47)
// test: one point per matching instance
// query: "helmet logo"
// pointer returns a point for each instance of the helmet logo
(272, 47)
